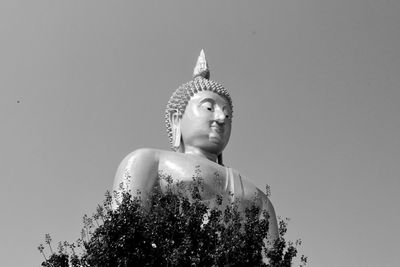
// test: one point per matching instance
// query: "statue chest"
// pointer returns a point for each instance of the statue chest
(215, 179)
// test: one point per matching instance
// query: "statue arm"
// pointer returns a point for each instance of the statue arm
(248, 191)
(137, 172)
(273, 233)
(273, 223)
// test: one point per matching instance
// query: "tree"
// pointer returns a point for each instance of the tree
(173, 228)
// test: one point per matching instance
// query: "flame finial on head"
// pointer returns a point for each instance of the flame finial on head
(201, 68)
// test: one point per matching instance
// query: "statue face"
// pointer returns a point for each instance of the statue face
(206, 123)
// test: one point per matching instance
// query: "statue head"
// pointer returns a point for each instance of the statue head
(199, 113)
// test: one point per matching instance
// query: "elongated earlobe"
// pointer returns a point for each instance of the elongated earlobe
(176, 130)
(177, 137)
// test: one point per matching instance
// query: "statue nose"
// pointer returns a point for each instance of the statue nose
(219, 116)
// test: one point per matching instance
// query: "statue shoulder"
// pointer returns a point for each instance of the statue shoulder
(148, 154)
(141, 164)
(250, 189)
(247, 186)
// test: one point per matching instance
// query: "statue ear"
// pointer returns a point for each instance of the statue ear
(176, 129)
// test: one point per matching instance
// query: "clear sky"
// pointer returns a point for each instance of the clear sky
(316, 92)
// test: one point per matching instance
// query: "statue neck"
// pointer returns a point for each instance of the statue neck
(200, 153)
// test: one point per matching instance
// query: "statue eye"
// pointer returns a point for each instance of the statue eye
(208, 106)
(227, 113)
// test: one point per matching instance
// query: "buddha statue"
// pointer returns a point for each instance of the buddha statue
(198, 120)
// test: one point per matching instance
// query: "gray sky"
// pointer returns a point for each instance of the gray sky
(316, 91)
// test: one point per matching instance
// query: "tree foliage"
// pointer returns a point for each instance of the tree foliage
(173, 227)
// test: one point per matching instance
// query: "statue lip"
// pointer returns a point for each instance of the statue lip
(218, 128)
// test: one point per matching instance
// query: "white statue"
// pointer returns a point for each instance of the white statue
(198, 120)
